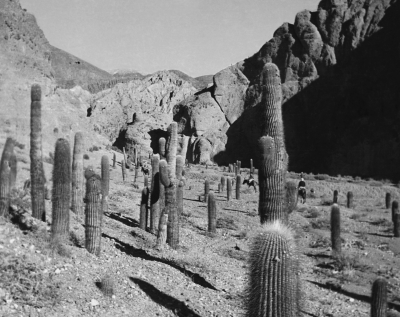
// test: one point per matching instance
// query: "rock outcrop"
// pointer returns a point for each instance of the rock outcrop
(339, 69)
(139, 110)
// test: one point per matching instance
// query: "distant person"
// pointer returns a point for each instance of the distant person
(250, 182)
(302, 189)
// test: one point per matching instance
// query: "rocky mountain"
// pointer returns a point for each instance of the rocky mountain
(25, 59)
(339, 70)
(133, 112)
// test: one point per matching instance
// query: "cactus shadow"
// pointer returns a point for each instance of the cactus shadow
(140, 253)
(123, 219)
(169, 302)
(380, 235)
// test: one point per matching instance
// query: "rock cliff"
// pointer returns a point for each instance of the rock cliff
(339, 70)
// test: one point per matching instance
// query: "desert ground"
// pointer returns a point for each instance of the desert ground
(207, 274)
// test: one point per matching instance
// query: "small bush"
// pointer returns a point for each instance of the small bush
(226, 223)
(86, 157)
(107, 285)
(375, 183)
(314, 213)
(321, 224)
(355, 216)
(321, 242)
(94, 148)
(322, 177)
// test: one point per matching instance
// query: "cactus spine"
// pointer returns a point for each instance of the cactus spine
(291, 196)
(61, 195)
(77, 175)
(206, 189)
(350, 199)
(223, 181)
(395, 208)
(36, 155)
(155, 194)
(144, 208)
(273, 162)
(273, 288)
(105, 183)
(379, 298)
(93, 215)
(5, 177)
(335, 230)
(212, 213)
(238, 185)
(123, 170)
(335, 196)
(388, 200)
(228, 189)
(168, 179)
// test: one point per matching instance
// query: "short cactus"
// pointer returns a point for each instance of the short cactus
(223, 181)
(5, 177)
(395, 208)
(105, 183)
(123, 170)
(228, 189)
(144, 208)
(291, 196)
(36, 155)
(379, 298)
(107, 285)
(93, 217)
(77, 175)
(388, 200)
(350, 199)
(238, 185)
(335, 196)
(212, 213)
(206, 189)
(335, 230)
(61, 195)
(274, 285)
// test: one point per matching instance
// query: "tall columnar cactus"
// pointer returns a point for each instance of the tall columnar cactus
(5, 177)
(273, 160)
(335, 230)
(379, 298)
(228, 189)
(114, 159)
(105, 183)
(61, 195)
(238, 185)
(223, 181)
(396, 223)
(395, 208)
(212, 213)
(168, 179)
(291, 196)
(235, 169)
(77, 175)
(144, 207)
(36, 155)
(123, 170)
(239, 167)
(350, 197)
(274, 285)
(135, 154)
(13, 170)
(93, 217)
(127, 165)
(251, 167)
(206, 189)
(146, 181)
(155, 194)
(181, 183)
(388, 200)
(161, 148)
(185, 143)
(335, 196)
(136, 172)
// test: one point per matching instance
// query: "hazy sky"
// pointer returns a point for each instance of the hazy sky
(198, 37)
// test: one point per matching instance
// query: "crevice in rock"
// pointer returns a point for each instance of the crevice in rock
(120, 141)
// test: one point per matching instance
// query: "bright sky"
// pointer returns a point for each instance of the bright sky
(198, 37)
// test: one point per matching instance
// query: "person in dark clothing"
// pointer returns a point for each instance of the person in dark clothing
(251, 182)
(302, 189)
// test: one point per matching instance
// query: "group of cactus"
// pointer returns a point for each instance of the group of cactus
(68, 182)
